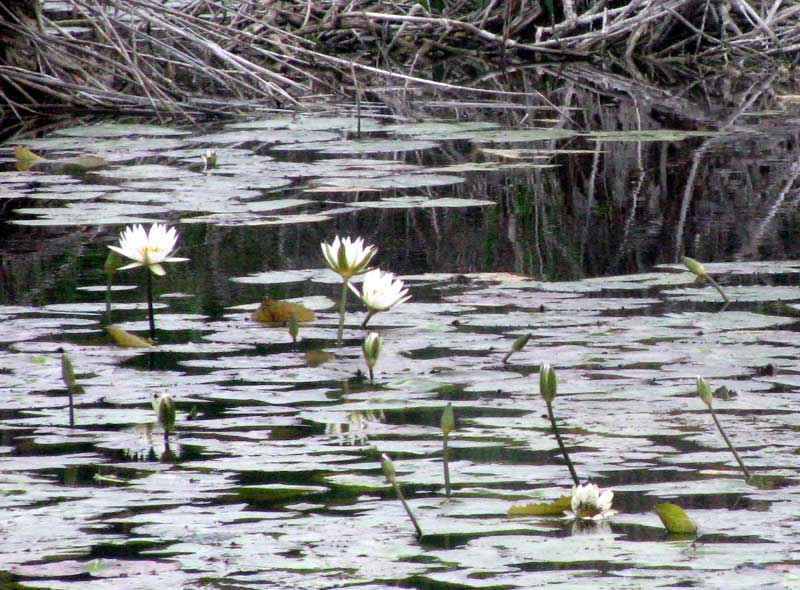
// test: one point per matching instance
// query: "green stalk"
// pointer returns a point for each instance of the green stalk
(371, 375)
(342, 304)
(108, 298)
(150, 304)
(369, 315)
(446, 464)
(718, 288)
(407, 508)
(729, 443)
(574, 475)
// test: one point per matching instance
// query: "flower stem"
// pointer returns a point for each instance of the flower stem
(561, 444)
(342, 303)
(446, 464)
(408, 509)
(367, 318)
(718, 288)
(371, 375)
(730, 444)
(150, 304)
(108, 298)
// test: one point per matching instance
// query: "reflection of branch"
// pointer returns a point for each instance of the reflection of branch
(794, 173)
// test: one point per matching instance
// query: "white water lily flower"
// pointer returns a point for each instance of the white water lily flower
(588, 503)
(148, 249)
(348, 257)
(380, 291)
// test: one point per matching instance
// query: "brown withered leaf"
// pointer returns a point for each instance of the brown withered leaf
(279, 311)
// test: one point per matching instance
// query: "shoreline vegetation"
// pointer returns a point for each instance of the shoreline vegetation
(208, 58)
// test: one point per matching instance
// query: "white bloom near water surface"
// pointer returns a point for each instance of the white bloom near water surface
(381, 291)
(348, 257)
(588, 503)
(148, 249)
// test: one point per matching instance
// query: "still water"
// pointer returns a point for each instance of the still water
(272, 476)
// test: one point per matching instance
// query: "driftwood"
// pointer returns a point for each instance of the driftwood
(209, 57)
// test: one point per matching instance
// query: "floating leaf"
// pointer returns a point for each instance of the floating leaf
(277, 310)
(675, 520)
(649, 135)
(314, 358)
(554, 508)
(127, 339)
(25, 155)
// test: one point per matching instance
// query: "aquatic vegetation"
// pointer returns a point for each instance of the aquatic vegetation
(704, 391)
(675, 519)
(517, 345)
(209, 158)
(380, 291)
(68, 375)
(588, 503)
(448, 424)
(348, 258)
(391, 477)
(371, 347)
(699, 271)
(150, 250)
(548, 385)
(164, 407)
(294, 328)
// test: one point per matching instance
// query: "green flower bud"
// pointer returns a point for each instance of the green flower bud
(164, 407)
(695, 267)
(448, 420)
(388, 469)
(112, 263)
(704, 391)
(67, 371)
(372, 348)
(520, 342)
(547, 382)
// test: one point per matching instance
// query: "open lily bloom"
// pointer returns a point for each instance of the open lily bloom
(348, 257)
(588, 503)
(148, 249)
(381, 291)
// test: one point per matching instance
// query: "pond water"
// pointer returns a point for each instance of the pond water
(272, 476)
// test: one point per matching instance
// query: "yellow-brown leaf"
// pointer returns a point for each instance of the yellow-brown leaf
(279, 311)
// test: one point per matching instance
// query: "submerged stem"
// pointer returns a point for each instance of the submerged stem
(150, 304)
(574, 475)
(730, 444)
(342, 303)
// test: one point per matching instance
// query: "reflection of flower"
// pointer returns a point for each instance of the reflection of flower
(581, 526)
(380, 292)
(588, 503)
(347, 257)
(148, 249)
(354, 431)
